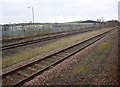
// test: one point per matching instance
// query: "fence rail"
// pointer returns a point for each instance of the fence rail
(27, 30)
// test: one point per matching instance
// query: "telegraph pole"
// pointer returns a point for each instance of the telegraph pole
(32, 13)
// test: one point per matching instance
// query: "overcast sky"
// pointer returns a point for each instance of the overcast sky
(17, 11)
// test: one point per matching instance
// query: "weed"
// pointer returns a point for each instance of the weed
(113, 36)
(92, 57)
(51, 67)
(29, 53)
(79, 69)
(103, 46)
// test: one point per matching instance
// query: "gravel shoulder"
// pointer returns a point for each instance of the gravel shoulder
(30, 52)
(95, 65)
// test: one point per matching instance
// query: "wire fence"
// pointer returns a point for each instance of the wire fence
(28, 30)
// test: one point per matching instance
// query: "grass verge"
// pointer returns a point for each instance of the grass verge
(79, 69)
(29, 53)
(103, 46)
(113, 36)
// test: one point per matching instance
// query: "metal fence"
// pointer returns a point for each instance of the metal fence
(27, 30)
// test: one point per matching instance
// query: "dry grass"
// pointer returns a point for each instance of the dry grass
(103, 46)
(29, 53)
(16, 37)
(79, 69)
(113, 36)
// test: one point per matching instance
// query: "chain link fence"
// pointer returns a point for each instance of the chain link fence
(10, 31)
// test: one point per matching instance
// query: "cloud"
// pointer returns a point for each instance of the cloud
(68, 10)
(119, 11)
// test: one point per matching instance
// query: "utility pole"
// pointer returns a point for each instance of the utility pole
(32, 13)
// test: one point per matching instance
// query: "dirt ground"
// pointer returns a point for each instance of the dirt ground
(96, 65)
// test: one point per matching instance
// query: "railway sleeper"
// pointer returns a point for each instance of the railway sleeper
(49, 61)
(46, 62)
(76, 47)
(66, 53)
(23, 74)
(40, 66)
(56, 57)
(11, 78)
(33, 69)
(14, 78)
(72, 50)
(17, 76)
(80, 45)
(6, 82)
(52, 59)
(60, 55)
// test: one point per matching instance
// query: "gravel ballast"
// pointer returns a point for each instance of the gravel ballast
(95, 65)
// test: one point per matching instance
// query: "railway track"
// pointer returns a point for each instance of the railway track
(45, 38)
(20, 75)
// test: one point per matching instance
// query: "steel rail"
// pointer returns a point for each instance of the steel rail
(59, 57)
(11, 46)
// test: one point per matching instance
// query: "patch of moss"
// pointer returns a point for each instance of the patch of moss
(29, 53)
(92, 57)
(103, 46)
(51, 67)
(113, 36)
(79, 69)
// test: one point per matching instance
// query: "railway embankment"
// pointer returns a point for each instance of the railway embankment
(95, 65)
(30, 52)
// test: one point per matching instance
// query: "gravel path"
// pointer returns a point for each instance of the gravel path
(91, 66)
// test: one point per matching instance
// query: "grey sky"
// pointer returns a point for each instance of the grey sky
(119, 11)
(16, 11)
